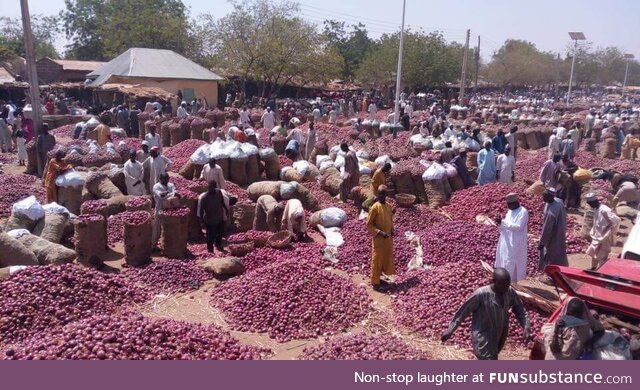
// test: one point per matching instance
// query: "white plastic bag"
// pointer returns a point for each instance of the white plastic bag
(288, 190)
(301, 166)
(362, 154)
(70, 178)
(325, 165)
(611, 346)
(54, 208)
(434, 172)
(333, 217)
(92, 123)
(16, 268)
(249, 149)
(17, 233)
(417, 260)
(29, 207)
(267, 153)
(339, 163)
(450, 170)
(382, 160)
(201, 155)
(364, 169)
(332, 236)
(322, 158)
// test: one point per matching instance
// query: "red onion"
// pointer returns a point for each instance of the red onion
(364, 347)
(14, 188)
(177, 212)
(180, 153)
(168, 276)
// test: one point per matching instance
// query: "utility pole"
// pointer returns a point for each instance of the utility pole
(463, 79)
(475, 88)
(557, 66)
(32, 73)
(576, 36)
(628, 57)
(396, 108)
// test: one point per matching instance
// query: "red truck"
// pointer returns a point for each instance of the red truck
(605, 290)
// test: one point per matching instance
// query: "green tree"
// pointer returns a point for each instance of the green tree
(103, 29)
(520, 63)
(45, 31)
(352, 44)
(428, 60)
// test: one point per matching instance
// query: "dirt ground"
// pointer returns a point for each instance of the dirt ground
(194, 307)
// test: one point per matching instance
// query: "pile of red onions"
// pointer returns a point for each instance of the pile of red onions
(235, 190)
(291, 300)
(180, 153)
(89, 218)
(301, 252)
(364, 347)
(39, 299)
(130, 336)
(8, 158)
(177, 212)
(169, 276)
(97, 206)
(135, 217)
(14, 188)
(63, 131)
(529, 164)
(251, 235)
(136, 202)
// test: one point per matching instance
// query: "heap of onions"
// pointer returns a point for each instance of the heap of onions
(364, 347)
(130, 336)
(14, 188)
(307, 253)
(180, 153)
(169, 276)
(39, 299)
(291, 300)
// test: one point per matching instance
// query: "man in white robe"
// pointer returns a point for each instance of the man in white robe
(506, 166)
(134, 176)
(554, 144)
(605, 225)
(293, 219)
(268, 119)
(511, 253)
(158, 164)
(162, 190)
(213, 172)
(153, 138)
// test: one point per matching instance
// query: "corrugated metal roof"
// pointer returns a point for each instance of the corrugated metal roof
(5, 76)
(152, 63)
(89, 66)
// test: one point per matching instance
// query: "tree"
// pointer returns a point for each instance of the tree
(44, 28)
(351, 44)
(428, 60)
(520, 63)
(268, 42)
(101, 30)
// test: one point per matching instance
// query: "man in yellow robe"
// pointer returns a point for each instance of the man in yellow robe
(380, 226)
(55, 167)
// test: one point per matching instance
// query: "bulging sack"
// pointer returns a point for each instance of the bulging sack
(13, 252)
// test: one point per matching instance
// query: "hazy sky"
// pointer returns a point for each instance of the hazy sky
(543, 22)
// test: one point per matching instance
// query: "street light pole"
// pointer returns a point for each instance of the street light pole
(576, 36)
(396, 108)
(628, 57)
(32, 73)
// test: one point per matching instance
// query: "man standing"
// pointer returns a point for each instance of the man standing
(554, 144)
(380, 226)
(511, 253)
(143, 153)
(158, 164)
(489, 309)
(182, 113)
(55, 167)
(499, 142)
(568, 147)
(549, 172)
(162, 190)
(311, 143)
(351, 174)
(268, 119)
(486, 165)
(133, 121)
(588, 124)
(244, 117)
(506, 166)
(153, 138)
(511, 141)
(460, 162)
(44, 144)
(211, 211)
(213, 172)
(123, 119)
(134, 176)
(293, 219)
(373, 109)
(102, 133)
(552, 245)
(605, 225)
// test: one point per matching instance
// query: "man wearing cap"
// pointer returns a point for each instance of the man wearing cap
(511, 141)
(134, 176)
(486, 165)
(143, 153)
(511, 253)
(153, 138)
(549, 172)
(268, 119)
(158, 164)
(182, 110)
(293, 219)
(380, 226)
(603, 231)
(213, 172)
(554, 144)
(506, 166)
(552, 245)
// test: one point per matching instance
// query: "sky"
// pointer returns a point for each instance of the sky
(546, 23)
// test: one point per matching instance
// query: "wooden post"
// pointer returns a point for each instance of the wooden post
(32, 73)
(464, 68)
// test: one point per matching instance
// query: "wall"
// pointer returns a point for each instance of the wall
(48, 71)
(202, 88)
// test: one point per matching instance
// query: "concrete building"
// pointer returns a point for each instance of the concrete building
(51, 71)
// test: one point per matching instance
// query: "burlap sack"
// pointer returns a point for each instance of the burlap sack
(12, 252)
(435, 192)
(590, 145)
(272, 167)
(536, 188)
(315, 219)
(331, 184)
(19, 221)
(291, 174)
(91, 240)
(403, 183)
(196, 129)
(587, 224)
(625, 152)
(117, 178)
(224, 267)
(533, 140)
(597, 134)
(145, 207)
(174, 236)
(309, 202)
(32, 158)
(54, 226)
(456, 183)
(521, 140)
(198, 171)
(238, 171)
(194, 230)
(256, 190)
(46, 251)
(243, 216)
(101, 187)
(137, 245)
(279, 144)
(117, 204)
(311, 174)
(608, 150)
(165, 135)
(253, 171)
(420, 189)
(472, 159)
(188, 170)
(175, 133)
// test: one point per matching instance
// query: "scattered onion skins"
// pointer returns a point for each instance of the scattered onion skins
(291, 300)
(168, 276)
